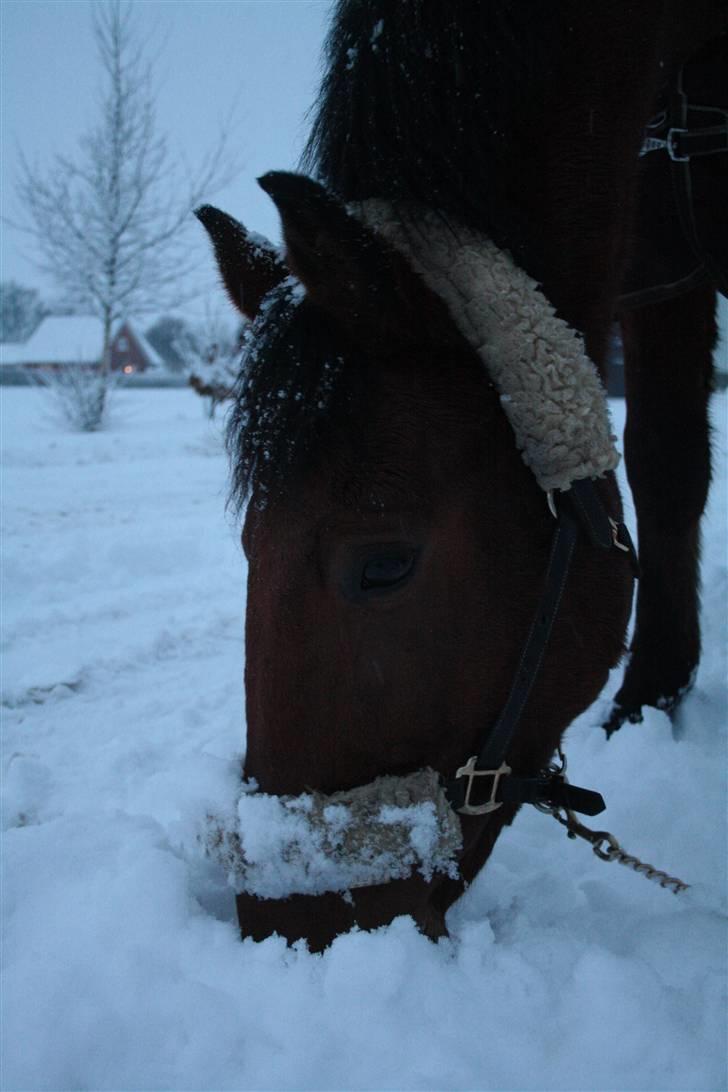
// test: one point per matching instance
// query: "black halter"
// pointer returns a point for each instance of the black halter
(485, 782)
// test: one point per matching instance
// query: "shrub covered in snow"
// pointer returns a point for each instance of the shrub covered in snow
(78, 396)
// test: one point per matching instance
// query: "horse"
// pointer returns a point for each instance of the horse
(215, 391)
(438, 567)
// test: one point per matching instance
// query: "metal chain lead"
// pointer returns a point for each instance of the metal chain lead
(604, 844)
(652, 873)
(607, 848)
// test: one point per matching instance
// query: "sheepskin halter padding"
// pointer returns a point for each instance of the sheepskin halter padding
(549, 388)
(276, 846)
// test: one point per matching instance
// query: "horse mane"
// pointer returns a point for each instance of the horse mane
(413, 108)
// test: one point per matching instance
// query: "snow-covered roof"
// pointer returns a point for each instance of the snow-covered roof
(60, 339)
(71, 339)
(11, 352)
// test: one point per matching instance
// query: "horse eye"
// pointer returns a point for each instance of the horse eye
(386, 570)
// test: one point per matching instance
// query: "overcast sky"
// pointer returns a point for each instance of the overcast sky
(261, 56)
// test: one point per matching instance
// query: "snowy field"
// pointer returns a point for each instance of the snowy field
(123, 606)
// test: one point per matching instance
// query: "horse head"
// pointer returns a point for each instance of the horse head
(396, 544)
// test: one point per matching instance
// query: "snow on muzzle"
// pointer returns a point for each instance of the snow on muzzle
(276, 846)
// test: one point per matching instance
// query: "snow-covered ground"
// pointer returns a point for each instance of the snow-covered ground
(123, 611)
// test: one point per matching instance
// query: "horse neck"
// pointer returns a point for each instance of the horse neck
(531, 142)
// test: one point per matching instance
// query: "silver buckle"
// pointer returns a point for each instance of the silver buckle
(668, 144)
(657, 144)
(672, 134)
(469, 770)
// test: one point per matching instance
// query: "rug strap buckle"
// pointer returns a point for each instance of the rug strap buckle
(672, 144)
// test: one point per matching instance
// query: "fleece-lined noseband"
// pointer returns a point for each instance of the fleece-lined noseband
(554, 399)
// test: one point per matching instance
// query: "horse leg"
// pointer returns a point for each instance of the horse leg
(668, 361)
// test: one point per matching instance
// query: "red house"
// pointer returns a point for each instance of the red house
(63, 341)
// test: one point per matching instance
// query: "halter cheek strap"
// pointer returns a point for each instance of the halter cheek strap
(485, 782)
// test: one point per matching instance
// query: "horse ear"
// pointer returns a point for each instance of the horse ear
(344, 267)
(249, 265)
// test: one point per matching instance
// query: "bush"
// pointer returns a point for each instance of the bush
(79, 396)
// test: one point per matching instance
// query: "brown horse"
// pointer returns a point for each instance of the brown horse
(398, 542)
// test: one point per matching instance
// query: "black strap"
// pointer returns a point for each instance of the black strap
(550, 790)
(712, 139)
(562, 551)
(687, 131)
(460, 790)
(706, 140)
(472, 787)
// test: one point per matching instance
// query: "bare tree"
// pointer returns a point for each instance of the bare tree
(108, 224)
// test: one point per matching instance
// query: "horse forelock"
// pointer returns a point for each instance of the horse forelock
(309, 392)
(284, 396)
